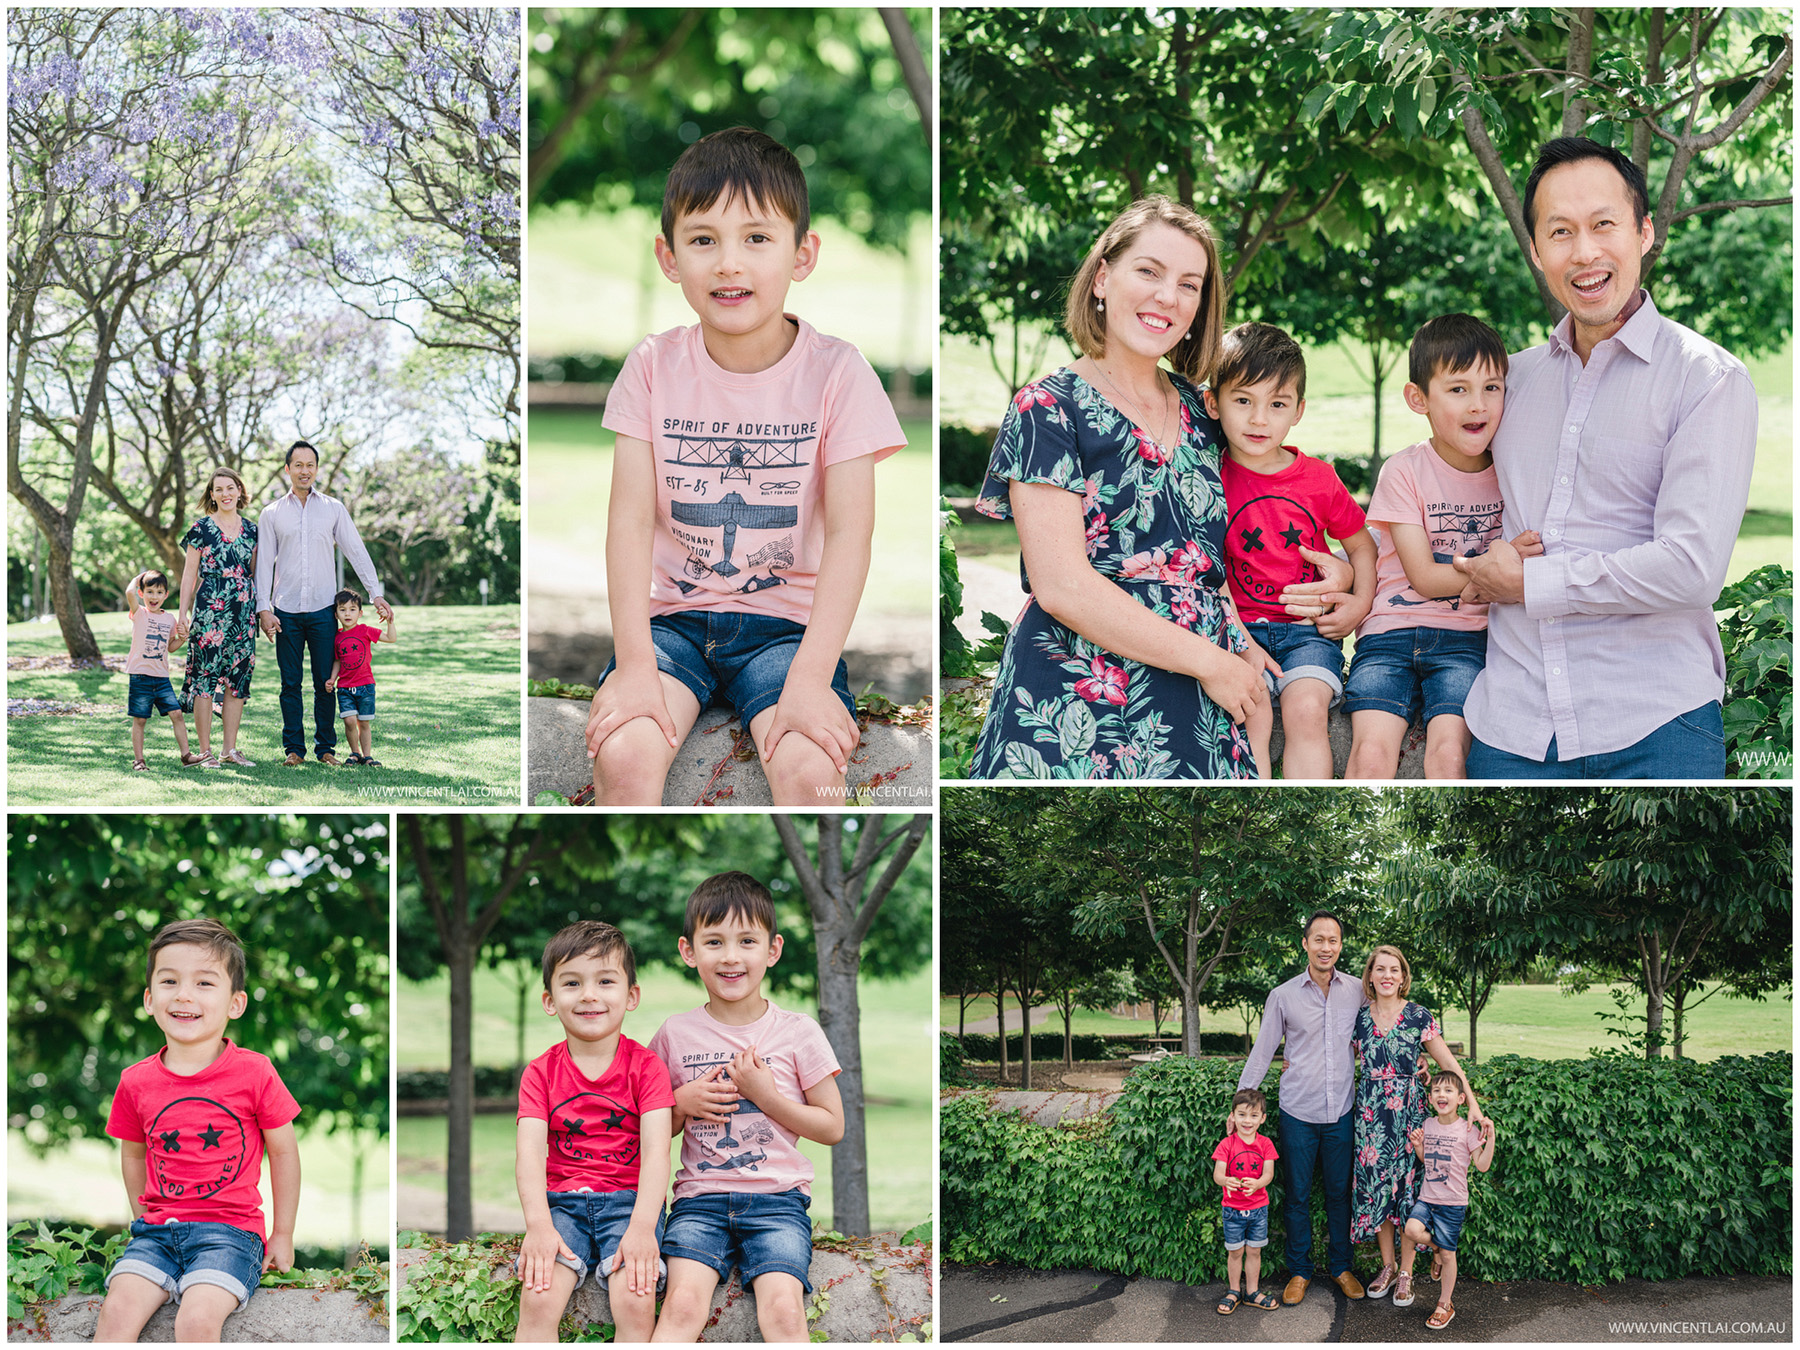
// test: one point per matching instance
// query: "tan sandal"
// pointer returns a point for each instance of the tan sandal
(190, 760)
(138, 766)
(1437, 1266)
(1442, 1317)
(237, 757)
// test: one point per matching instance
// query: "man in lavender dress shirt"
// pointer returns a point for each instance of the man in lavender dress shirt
(1627, 445)
(296, 578)
(1315, 1013)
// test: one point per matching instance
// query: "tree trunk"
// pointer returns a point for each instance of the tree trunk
(840, 1017)
(1024, 1037)
(459, 1205)
(1678, 997)
(519, 1029)
(1000, 1025)
(1190, 1024)
(1656, 989)
(1376, 379)
(1068, 1016)
(358, 1155)
(1581, 62)
(1474, 1014)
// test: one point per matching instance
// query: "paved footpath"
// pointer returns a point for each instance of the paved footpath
(1002, 1303)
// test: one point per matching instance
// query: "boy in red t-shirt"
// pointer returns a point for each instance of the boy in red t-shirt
(353, 675)
(1281, 505)
(1243, 1165)
(194, 1121)
(593, 1148)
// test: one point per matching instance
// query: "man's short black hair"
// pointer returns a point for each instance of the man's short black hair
(1572, 150)
(1453, 342)
(1316, 915)
(301, 445)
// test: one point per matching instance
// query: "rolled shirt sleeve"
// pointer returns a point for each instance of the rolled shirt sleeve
(356, 553)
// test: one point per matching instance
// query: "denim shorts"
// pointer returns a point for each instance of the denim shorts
(745, 657)
(151, 694)
(1443, 1222)
(358, 702)
(1303, 652)
(177, 1256)
(1405, 670)
(592, 1224)
(1245, 1227)
(756, 1232)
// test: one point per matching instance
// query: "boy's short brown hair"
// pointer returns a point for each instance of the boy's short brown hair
(1254, 352)
(1195, 355)
(219, 941)
(1453, 342)
(1250, 1097)
(588, 937)
(720, 897)
(1451, 1077)
(350, 594)
(728, 164)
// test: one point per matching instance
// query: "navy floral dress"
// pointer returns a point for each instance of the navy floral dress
(1390, 1105)
(1064, 707)
(221, 649)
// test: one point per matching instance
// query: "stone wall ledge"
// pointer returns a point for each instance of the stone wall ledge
(313, 1316)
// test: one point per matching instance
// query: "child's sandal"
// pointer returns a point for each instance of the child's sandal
(138, 766)
(1265, 1300)
(1228, 1304)
(1437, 1266)
(1442, 1317)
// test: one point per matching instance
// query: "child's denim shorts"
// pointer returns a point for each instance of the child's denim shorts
(745, 657)
(1406, 669)
(1302, 652)
(151, 694)
(1443, 1222)
(358, 702)
(758, 1233)
(592, 1224)
(177, 1256)
(1245, 1227)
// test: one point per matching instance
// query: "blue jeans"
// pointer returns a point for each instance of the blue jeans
(313, 634)
(753, 1230)
(1329, 1149)
(1245, 1227)
(357, 702)
(176, 1256)
(1689, 746)
(1443, 1222)
(1302, 652)
(743, 656)
(592, 1224)
(1405, 670)
(147, 694)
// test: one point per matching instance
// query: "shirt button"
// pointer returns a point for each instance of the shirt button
(1556, 670)
(1574, 426)
(1563, 479)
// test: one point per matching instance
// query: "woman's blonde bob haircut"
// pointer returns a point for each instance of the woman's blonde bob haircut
(1369, 971)
(1197, 354)
(208, 505)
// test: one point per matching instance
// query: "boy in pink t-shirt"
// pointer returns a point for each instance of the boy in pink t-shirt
(750, 1081)
(154, 634)
(1446, 1144)
(1421, 646)
(353, 675)
(743, 494)
(593, 1146)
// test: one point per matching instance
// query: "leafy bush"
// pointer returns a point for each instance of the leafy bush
(963, 454)
(1606, 1169)
(46, 1263)
(1758, 636)
(491, 1080)
(952, 1070)
(1047, 1045)
(462, 1291)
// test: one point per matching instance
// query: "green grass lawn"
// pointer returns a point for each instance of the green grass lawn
(571, 472)
(1534, 1020)
(899, 1072)
(446, 727)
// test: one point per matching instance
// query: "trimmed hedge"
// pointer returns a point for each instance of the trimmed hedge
(1605, 1169)
(1048, 1045)
(963, 454)
(491, 1080)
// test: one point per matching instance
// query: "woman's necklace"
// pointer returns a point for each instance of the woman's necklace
(1158, 433)
(1376, 1015)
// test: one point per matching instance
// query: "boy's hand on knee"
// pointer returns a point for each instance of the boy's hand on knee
(815, 712)
(637, 1259)
(624, 698)
(708, 1098)
(537, 1257)
(279, 1253)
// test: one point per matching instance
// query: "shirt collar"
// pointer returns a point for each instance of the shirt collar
(1305, 978)
(1637, 335)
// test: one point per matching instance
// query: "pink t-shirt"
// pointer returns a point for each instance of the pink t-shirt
(1245, 1160)
(740, 521)
(149, 642)
(203, 1135)
(1272, 516)
(1447, 1150)
(596, 1136)
(751, 1152)
(354, 646)
(1459, 511)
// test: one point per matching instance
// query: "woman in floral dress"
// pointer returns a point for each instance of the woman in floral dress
(218, 587)
(1389, 1038)
(1123, 663)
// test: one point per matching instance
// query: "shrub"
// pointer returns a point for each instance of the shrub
(1605, 1169)
(1758, 636)
(491, 1080)
(952, 1063)
(1048, 1045)
(963, 454)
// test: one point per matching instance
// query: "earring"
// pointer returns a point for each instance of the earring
(1100, 304)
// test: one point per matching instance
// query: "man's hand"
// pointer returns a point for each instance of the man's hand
(814, 711)
(622, 699)
(753, 1076)
(270, 624)
(1314, 599)
(637, 1258)
(1496, 577)
(280, 1252)
(383, 608)
(708, 1098)
(537, 1256)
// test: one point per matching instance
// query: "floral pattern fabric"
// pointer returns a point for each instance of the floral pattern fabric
(1064, 707)
(221, 649)
(1390, 1105)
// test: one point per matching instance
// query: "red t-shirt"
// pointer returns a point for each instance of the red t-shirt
(203, 1135)
(353, 646)
(595, 1130)
(1271, 517)
(1245, 1160)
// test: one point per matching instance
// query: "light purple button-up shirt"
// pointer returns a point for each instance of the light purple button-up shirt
(1320, 1082)
(295, 571)
(1635, 470)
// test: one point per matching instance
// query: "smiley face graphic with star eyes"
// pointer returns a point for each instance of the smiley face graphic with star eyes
(1271, 530)
(592, 1127)
(196, 1148)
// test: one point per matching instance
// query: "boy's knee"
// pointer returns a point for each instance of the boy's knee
(686, 1307)
(800, 773)
(781, 1309)
(635, 757)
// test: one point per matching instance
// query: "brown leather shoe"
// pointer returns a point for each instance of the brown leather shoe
(1296, 1290)
(329, 758)
(1351, 1286)
(294, 762)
